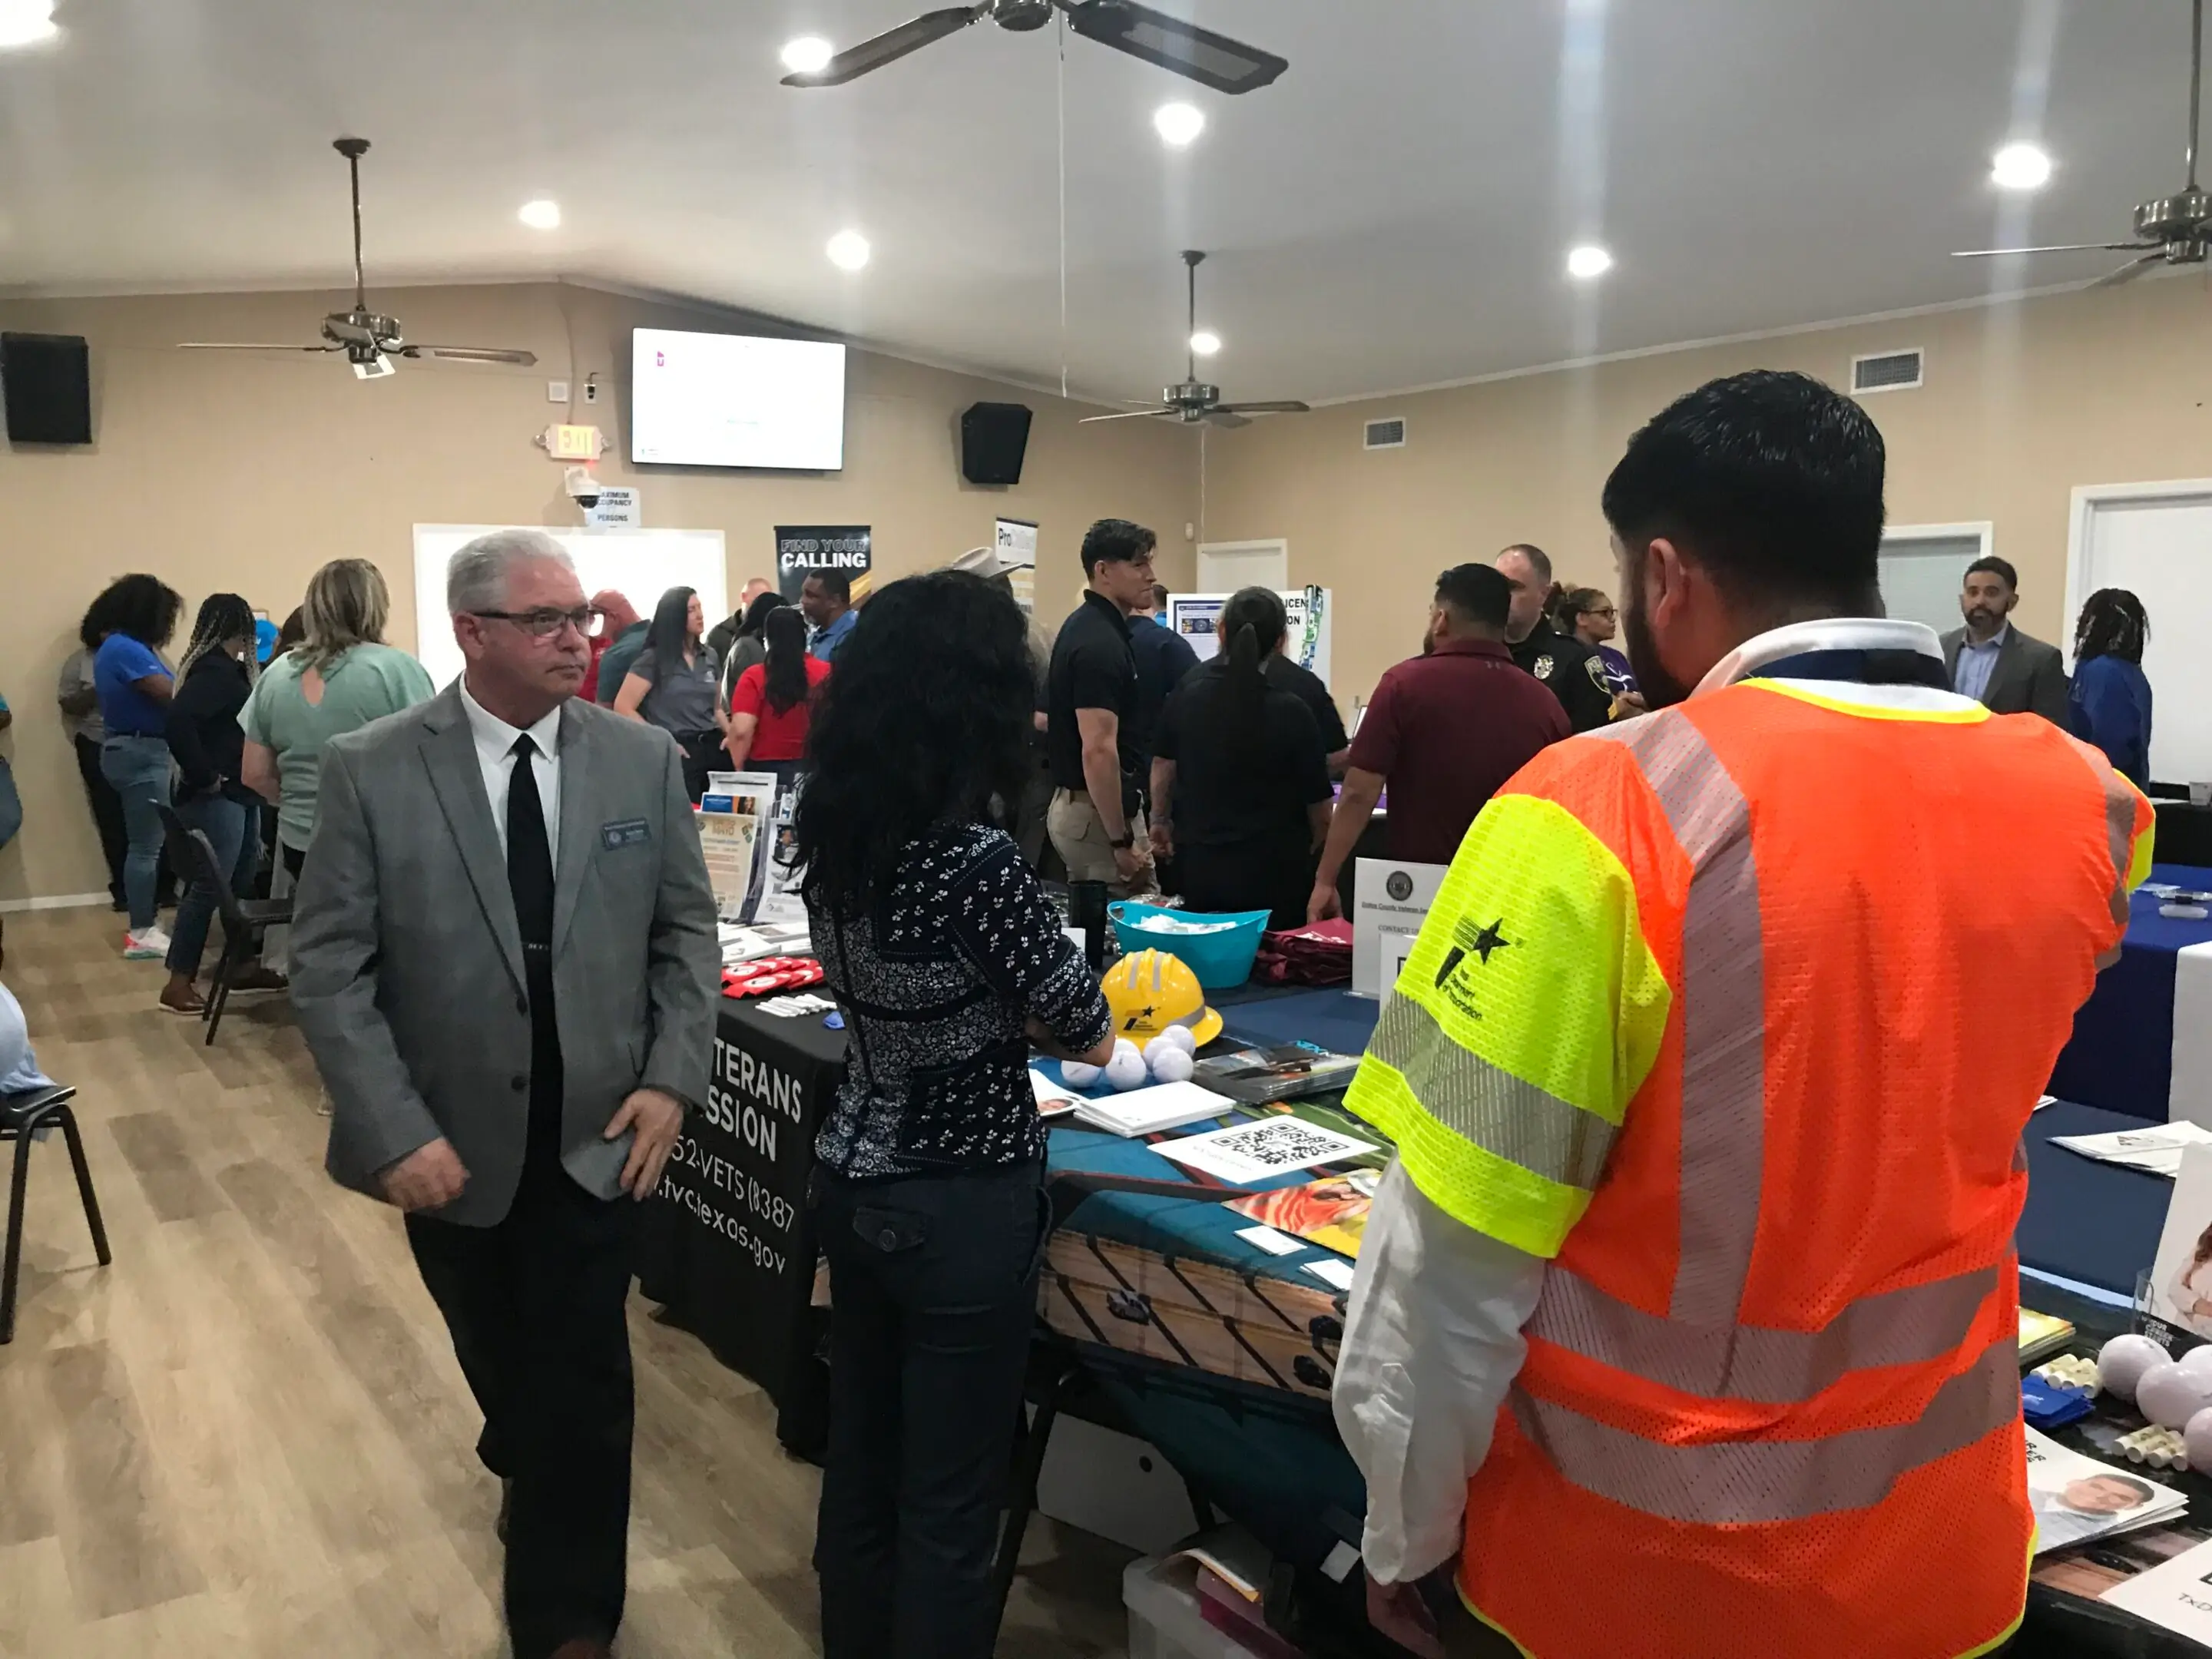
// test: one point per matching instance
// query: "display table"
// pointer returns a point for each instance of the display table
(2123, 1053)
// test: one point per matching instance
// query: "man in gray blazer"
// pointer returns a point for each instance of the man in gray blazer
(1992, 661)
(504, 960)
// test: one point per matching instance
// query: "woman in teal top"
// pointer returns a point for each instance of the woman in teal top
(339, 678)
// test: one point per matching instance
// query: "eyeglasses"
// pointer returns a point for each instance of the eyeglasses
(1608, 613)
(541, 625)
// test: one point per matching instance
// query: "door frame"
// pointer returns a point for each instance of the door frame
(1984, 531)
(2088, 500)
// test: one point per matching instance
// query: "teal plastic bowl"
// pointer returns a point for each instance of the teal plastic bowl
(1222, 961)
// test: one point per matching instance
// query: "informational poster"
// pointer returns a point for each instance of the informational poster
(1389, 904)
(1016, 542)
(801, 547)
(734, 837)
(777, 887)
(1197, 617)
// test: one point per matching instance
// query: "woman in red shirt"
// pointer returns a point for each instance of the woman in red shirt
(773, 701)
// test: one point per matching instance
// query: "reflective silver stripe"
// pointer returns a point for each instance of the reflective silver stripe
(1497, 1111)
(1913, 1326)
(1723, 1142)
(2119, 828)
(1745, 1482)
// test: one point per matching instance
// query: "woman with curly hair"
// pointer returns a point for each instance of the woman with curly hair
(947, 960)
(134, 686)
(2109, 704)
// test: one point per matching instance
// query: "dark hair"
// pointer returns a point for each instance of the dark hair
(670, 631)
(144, 607)
(1771, 481)
(1115, 541)
(1477, 595)
(1252, 624)
(756, 613)
(926, 718)
(1538, 559)
(1159, 596)
(294, 630)
(835, 583)
(99, 619)
(786, 672)
(1573, 605)
(1996, 567)
(2112, 624)
(2141, 1489)
(222, 616)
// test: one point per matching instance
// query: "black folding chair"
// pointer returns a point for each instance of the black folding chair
(21, 1117)
(245, 921)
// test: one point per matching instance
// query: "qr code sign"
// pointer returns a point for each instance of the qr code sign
(1281, 1144)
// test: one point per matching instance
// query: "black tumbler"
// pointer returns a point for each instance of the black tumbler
(1086, 908)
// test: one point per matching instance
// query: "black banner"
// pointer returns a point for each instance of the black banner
(800, 548)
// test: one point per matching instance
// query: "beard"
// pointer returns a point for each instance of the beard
(1660, 689)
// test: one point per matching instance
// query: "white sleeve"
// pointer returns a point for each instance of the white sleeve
(1432, 1342)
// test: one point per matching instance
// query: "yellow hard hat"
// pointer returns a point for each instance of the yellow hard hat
(1153, 990)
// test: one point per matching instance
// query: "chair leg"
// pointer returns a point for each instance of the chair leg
(15, 1256)
(84, 1184)
(219, 992)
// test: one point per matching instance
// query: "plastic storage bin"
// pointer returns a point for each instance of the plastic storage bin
(1222, 961)
(1164, 1619)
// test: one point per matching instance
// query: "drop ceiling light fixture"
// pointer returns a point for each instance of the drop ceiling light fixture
(1589, 261)
(543, 214)
(27, 22)
(848, 250)
(1205, 342)
(2019, 167)
(1178, 125)
(807, 54)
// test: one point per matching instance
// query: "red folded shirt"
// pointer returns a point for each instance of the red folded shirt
(758, 979)
(1317, 954)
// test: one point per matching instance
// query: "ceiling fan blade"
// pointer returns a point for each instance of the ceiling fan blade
(1134, 415)
(2129, 271)
(890, 46)
(1222, 414)
(470, 353)
(1200, 55)
(2065, 248)
(248, 345)
(1285, 408)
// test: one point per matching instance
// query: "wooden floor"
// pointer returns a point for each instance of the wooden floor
(249, 1437)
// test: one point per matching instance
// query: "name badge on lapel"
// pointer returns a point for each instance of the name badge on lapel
(630, 832)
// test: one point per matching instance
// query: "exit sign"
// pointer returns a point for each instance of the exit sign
(573, 443)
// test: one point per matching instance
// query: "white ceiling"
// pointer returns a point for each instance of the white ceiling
(1394, 211)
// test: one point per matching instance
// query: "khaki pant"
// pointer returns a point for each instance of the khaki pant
(1080, 839)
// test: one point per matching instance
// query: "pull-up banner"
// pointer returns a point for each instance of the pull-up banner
(800, 548)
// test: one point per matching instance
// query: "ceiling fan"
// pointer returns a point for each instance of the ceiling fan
(1194, 400)
(2172, 230)
(370, 340)
(1211, 60)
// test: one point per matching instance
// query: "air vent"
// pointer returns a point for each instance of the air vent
(1386, 434)
(1887, 371)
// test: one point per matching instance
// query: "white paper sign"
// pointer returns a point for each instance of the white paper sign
(1389, 904)
(1017, 541)
(1274, 1146)
(618, 509)
(2176, 1594)
(2181, 1277)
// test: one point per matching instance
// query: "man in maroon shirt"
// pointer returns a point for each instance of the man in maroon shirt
(1445, 730)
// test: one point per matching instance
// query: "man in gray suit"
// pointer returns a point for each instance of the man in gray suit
(504, 959)
(1993, 662)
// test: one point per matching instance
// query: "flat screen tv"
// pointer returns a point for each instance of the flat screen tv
(736, 400)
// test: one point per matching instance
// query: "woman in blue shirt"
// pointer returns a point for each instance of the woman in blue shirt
(134, 686)
(2110, 703)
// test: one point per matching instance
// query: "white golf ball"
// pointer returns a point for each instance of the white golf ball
(1172, 1065)
(1076, 1075)
(2196, 1441)
(2197, 1362)
(2170, 1396)
(2122, 1362)
(1126, 1069)
(1123, 1046)
(1182, 1037)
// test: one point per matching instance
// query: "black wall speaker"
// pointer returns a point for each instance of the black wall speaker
(994, 437)
(47, 381)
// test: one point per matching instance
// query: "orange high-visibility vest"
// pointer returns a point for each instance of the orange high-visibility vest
(1826, 942)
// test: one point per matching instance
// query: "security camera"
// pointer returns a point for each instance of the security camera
(583, 488)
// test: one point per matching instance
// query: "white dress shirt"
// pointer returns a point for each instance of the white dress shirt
(495, 740)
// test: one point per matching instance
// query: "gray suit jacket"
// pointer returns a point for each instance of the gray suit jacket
(407, 959)
(2029, 678)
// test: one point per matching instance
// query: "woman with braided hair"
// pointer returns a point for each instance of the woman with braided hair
(2110, 703)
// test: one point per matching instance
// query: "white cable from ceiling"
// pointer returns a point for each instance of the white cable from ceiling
(1061, 18)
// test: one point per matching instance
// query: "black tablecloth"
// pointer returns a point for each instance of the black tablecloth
(2094, 1223)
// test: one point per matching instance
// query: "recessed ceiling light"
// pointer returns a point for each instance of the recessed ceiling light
(848, 250)
(1205, 343)
(1589, 261)
(2019, 167)
(1178, 124)
(27, 22)
(543, 214)
(807, 54)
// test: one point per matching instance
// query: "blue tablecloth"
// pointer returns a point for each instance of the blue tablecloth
(2121, 1054)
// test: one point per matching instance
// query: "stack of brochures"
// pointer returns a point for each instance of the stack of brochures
(1286, 1072)
(2042, 1335)
(2077, 1498)
(2155, 1147)
(1153, 1111)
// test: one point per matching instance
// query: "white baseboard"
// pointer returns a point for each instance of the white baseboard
(53, 901)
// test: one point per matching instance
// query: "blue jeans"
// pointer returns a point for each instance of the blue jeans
(139, 768)
(234, 829)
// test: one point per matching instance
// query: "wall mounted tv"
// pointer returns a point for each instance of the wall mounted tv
(736, 400)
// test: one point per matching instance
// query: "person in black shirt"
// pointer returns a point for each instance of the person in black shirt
(1240, 786)
(1162, 658)
(1575, 671)
(214, 679)
(946, 959)
(1306, 686)
(1097, 821)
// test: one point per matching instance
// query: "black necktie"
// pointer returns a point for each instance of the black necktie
(529, 857)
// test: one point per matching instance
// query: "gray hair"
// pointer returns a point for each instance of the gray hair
(477, 578)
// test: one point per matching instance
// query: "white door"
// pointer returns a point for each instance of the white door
(2155, 540)
(1225, 567)
(1923, 571)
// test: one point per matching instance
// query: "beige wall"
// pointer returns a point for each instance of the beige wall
(244, 472)
(2022, 404)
